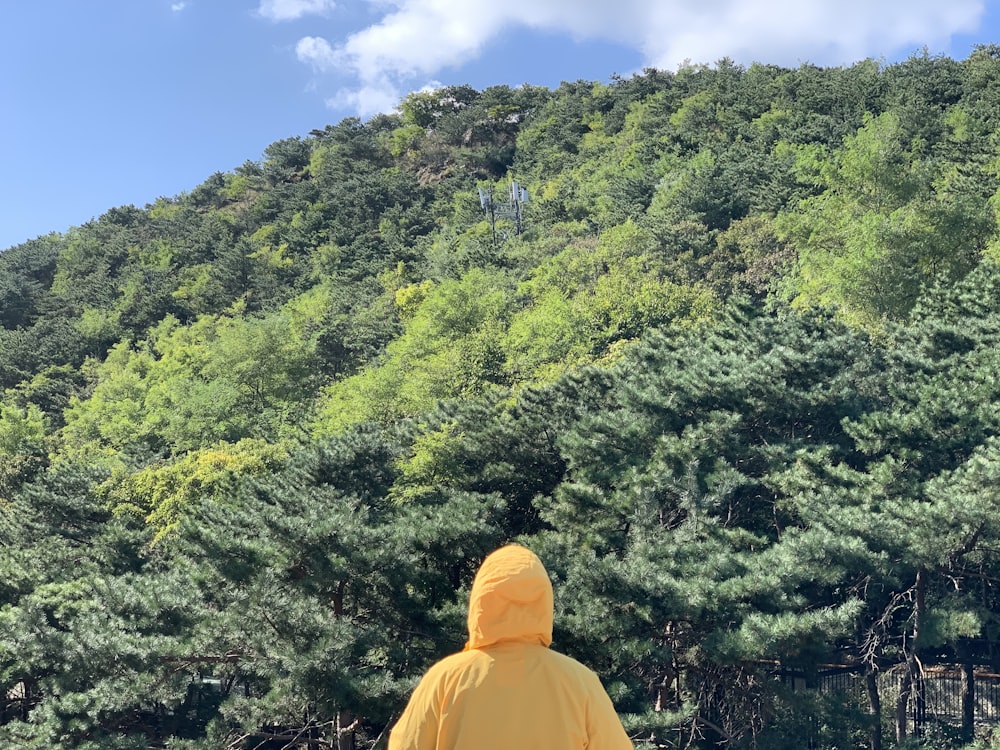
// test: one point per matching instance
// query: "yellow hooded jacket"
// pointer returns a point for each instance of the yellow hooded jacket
(506, 689)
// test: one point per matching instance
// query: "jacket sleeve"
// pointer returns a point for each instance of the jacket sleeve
(417, 728)
(604, 728)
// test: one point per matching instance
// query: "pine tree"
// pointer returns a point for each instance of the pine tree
(683, 569)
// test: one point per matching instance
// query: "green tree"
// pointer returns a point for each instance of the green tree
(365, 587)
(449, 349)
(888, 223)
(220, 378)
(682, 564)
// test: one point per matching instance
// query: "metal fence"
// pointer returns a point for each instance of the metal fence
(937, 694)
(940, 691)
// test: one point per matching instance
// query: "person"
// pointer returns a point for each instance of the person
(507, 690)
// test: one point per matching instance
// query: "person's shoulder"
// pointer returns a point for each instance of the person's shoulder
(569, 662)
(571, 666)
(452, 670)
(454, 663)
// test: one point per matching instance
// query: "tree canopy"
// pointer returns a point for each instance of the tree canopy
(735, 381)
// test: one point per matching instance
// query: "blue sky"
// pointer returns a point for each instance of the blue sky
(111, 102)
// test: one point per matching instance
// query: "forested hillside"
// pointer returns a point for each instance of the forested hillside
(736, 382)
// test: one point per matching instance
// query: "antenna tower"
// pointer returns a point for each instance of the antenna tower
(511, 207)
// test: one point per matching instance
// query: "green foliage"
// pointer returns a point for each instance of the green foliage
(887, 224)
(337, 577)
(255, 438)
(449, 349)
(589, 297)
(221, 378)
(164, 493)
(23, 444)
(26, 273)
(22, 431)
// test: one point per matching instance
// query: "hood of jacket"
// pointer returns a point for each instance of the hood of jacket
(511, 600)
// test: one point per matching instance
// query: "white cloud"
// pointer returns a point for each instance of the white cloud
(289, 10)
(381, 96)
(415, 39)
(316, 51)
(178, 7)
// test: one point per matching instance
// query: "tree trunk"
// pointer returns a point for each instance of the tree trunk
(345, 730)
(665, 695)
(344, 727)
(902, 704)
(968, 700)
(916, 671)
(912, 682)
(874, 709)
(920, 698)
(337, 600)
